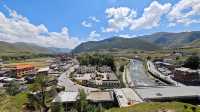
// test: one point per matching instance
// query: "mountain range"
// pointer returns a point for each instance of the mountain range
(154, 41)
(20, 47)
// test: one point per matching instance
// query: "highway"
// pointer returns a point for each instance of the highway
(138, 75)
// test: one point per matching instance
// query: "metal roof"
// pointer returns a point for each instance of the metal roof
(66, 97)
(168, 92)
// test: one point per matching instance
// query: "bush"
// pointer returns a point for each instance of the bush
(192, 62)
(13, 88)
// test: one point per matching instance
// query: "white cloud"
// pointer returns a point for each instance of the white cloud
(94, 36)
(184, 12)
(90, 21)
(124, 17)
(151, 16)
(17, 28)
(119, 18)
(86, 24)
(94, 19)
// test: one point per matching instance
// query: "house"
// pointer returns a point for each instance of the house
(186, 75)
(86, 69)
(67, 98)
(43, 71)
(1, 61)
(105, 98)
(21, 70)
(104, 69)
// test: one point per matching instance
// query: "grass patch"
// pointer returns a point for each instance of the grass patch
(37, 62)
(155, 107)
(12, 103)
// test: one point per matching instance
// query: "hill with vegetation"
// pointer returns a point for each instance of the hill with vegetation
(146, 42)
(172, 40)
(195, 44)
(26, 48)
(115, 43)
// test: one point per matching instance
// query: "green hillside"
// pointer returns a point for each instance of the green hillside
(115, 43)
(21, 48)
(196, 43)
(171, 40)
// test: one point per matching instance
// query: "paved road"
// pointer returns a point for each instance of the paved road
(139, 76)
(69, 85)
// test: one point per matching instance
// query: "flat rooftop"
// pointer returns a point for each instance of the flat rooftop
(96, 96)
(45, 69)
(168, 92)
(66, 97)
(127, 97)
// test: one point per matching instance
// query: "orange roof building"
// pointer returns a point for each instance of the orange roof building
(20, 70)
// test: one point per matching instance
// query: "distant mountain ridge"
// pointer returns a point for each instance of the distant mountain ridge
(147, 42)
(172, 40)
(115, 43)
(22, 47)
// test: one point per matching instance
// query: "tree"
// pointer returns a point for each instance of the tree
(57, 107)
(13, 88)
(82, 102)
(148, 57)
(91, 108)
(121, 69)
(192, 62)
(39, 87)
(100, 108)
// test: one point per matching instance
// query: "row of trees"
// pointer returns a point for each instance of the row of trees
(97, 60)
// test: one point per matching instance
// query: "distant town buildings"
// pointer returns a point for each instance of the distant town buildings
(186, 75)
(96, 76)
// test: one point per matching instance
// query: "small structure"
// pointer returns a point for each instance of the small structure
(5, 72)
(43, 71)
(86, 69)
(1, 61)
(186, 75)
(103, 97)
(66, 98)
(126, 97)
(104, 69)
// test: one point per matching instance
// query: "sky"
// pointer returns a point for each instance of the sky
(67, 23)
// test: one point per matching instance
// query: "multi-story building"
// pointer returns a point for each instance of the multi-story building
(20, 70)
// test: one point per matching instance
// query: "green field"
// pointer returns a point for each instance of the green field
(37, 62)
(157, 107)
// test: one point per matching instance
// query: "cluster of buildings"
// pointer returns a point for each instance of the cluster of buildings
(26, 73)
(181, 74)
(93, 76)
(187, 76)
(123, 97)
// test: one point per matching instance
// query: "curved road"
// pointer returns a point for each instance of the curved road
(138, 75)
(69, 85)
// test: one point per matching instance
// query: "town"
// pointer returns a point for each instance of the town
(93, 78)
(99, 56)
